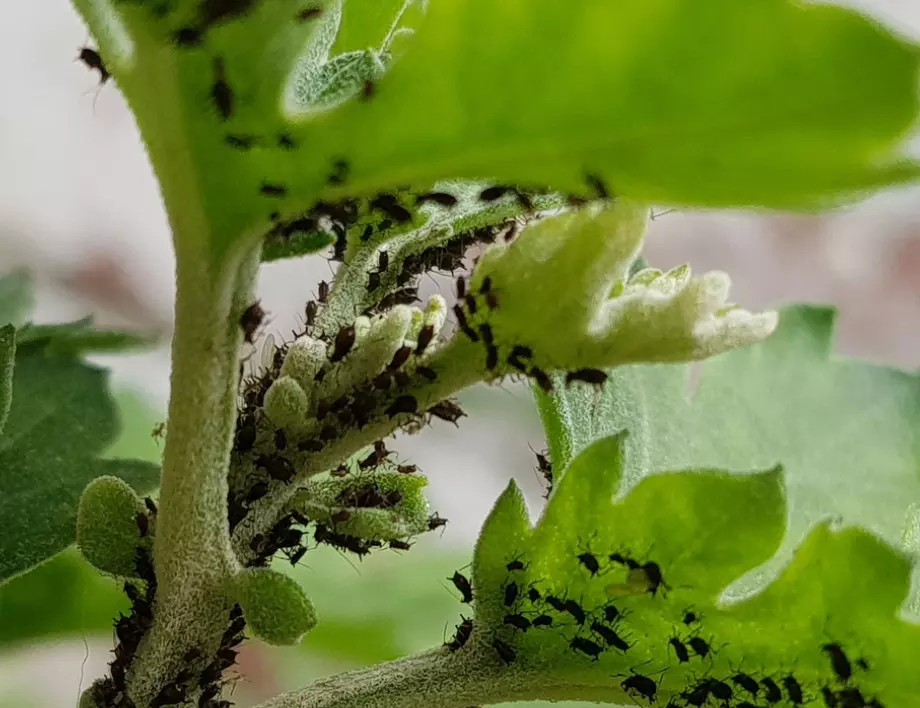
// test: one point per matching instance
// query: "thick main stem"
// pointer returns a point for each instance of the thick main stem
(192, 555)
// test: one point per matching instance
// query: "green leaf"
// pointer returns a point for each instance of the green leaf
(7, 365)
(15, 298)
(640, 94)
(701, 529)
(282, 244)
(61, 419)
(79, 337)
(33, 606)
(847, 432)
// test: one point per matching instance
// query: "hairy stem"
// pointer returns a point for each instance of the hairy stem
(192, 553)
(434, 678)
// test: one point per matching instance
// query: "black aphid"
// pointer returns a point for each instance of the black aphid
(462, 583)
(286, 142)
(542, 379)
(240, 142)
(400, 357)
(221, 93)
(518, 622)
(322, 291)
(793, 690)
(772, 694)
(690, 617)
(505, 652)
(517, 356)
(839, 661)
(447, 410)
(700, 647)
(680, 649)
(436, 522)
(470, 303)
(543, 621)
(533, 594)
(596, 184)
(151, 505)
(595, 377)
(344, 341)
(187, 37)
(490, 194)
(269, 189)
(407, 469)
(464, 630)
(425, 335)
(427, 372)
(310, 445)
(653, 575)
(586, 646)
(463, 324)
(143, 524)
(611, 613)
(250, 321)
(339, 172)
(461, 287)
(589, 561)
(93, 60)
(388, 204)
(442, 198)
(511, 593)
(720, 689)
(309, 13)
(609, 635)
(574, 609)
(169, 695)
(830, 698)
(745, 682)
(642, 685)
(257, 491)
(556, 603)
(515, 565)
(399, 545)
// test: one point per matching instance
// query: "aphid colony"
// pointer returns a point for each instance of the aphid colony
(590, 632)
(130, 629)
(472, 321)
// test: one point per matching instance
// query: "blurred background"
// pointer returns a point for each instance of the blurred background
(80, 210)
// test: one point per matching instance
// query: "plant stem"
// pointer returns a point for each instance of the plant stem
(433, 679)
(192, 553)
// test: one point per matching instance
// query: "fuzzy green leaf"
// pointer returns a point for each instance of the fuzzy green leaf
(702, 529)
(60, 420)
(641, 94)
(847, 432)
(275, 606)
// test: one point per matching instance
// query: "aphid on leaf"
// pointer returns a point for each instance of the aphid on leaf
(268, 189)
(436, 522)
(490, 194)
(700, 647)
(399, 358)
(461, 287)
(839, 661)
(517, 621)
(323, 291)
(793, 690)
(447, 410)
(240, 142)
(221, 93)
(640, 684)
(463, 324)
(286, 142)
(425, 335)
(680, 649)
(596, 377)
(746, 683)
(398, 545)
(772, 694)
(368, 89)
(441, 198)
(402, 404)
(407, 469)
(586, 646)
(344, 341)
(427, 372)
(574, 609)
(543, 621)
(515, 565)
(511, 593)
(309, 13)
(186, 37)
(589, 561)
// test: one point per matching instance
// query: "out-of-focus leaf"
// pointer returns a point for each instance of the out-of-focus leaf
(61, 419)
(15, 298)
